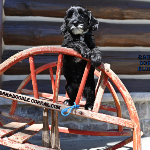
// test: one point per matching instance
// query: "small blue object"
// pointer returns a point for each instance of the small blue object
(66, 109)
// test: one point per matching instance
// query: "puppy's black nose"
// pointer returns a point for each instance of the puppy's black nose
(75, 23)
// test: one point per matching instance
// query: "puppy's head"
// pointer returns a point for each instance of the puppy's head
(79, 20)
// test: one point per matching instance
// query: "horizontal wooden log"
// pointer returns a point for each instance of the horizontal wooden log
(1, 24)
(133, 85)
(122, 62)
(48, 33)
(43, 86)
(116, 9)
(32, 33)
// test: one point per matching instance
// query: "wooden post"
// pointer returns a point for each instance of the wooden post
(55, 141)
(45, 133)
(1, 27)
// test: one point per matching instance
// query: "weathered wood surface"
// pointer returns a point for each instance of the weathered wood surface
(100, 92)
(32, 33)
(48, 33)
(122, 62)
(58, 107)
(27, 133)
(13, 126)
(16, 145)
(16, 117)
(45, 131)
(133, 85)
(116, 9)
(2, 122)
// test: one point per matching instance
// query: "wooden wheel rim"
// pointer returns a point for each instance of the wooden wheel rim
(112, 76)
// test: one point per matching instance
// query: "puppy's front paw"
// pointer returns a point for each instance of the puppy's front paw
(88, 107)
(86, 54)
(68, 102)
(96, 57)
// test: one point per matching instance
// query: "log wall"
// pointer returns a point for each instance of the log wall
(1, 29)
(48, 33)
(111, 34)
(110, 9)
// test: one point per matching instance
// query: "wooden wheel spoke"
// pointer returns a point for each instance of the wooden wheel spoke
(117, 103)
(100, 92)
(98, 74)
(13, 107)
(45, 133)
(55, 142)
(52, 78)
(115, 97)
(58, 76)
(121, 144)
(83, 81)
(33, 76)
(102, 83)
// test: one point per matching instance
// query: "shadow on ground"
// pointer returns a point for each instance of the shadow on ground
(93, 144)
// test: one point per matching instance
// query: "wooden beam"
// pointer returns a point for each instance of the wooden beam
(1, 33)
(116, 9)
(48, 33)
(43, 86)
(123, 35)
(133, 85)
(122, 62)
(58, 107)
(32, 33)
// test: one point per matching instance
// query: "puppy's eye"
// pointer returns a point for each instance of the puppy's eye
(82, 13)
(70, 13)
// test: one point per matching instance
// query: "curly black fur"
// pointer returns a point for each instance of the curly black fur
(77, 29)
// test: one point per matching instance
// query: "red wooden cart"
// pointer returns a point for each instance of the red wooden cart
(18, 140)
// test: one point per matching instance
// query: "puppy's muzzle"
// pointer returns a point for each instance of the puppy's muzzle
(78, 29)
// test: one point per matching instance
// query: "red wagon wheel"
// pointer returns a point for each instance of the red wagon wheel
(103, 72)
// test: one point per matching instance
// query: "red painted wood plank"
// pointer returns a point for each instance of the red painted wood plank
(121, 144)
(16, 145)
(83, 82)
(125, 132)
(27, 133)
(101, 89)
(2, 122)
(16, 117)
(33, 76)
(13, 126)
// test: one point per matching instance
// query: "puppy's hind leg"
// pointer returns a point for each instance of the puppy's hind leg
(89, 94)
(72, 90)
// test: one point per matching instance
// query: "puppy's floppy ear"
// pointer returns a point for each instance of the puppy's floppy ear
(93, 22)
(63, 28)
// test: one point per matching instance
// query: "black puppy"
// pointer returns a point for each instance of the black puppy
(77, 29)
